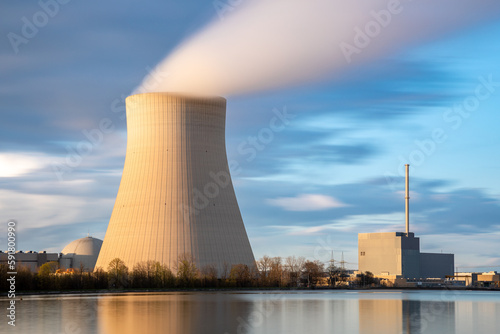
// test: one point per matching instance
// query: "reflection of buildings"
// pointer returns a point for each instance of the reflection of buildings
(405, 316)
(380, 316)
(477, 316)
(396, 255)
(444, 312)
(174, 313)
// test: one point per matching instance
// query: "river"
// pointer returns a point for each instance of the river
(227, 312)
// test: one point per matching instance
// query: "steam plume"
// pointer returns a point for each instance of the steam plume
(268, 44)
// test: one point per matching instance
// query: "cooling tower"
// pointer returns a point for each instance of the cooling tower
(176, 197)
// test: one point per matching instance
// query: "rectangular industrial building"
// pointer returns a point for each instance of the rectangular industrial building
(31, 260)
(397, 254)
(436, 265)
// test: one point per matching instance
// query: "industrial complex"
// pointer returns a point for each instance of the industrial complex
(78, 254)
(176, 200)
(396, 255)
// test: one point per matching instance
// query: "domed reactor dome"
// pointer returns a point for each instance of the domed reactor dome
(81, 252)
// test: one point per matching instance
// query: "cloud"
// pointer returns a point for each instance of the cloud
(387, 222)
(21, 163)
(485, 245)
(52, 209)
(307, 202)
(310, 37)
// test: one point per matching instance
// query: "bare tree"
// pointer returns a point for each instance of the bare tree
(186, 270)
(209, 275)
(118, 273)
(225, 272)
(240, 275)
(294, 267)
(264, 266)
(365, 279)
(275, 276)
(313, 271)
(100, 278)
(334, 274)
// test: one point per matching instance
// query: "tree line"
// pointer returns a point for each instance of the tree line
(268, 272)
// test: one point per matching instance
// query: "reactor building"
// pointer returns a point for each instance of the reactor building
(176, 197)
(397, 254)
(81, 253)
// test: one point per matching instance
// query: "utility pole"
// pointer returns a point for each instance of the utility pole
(342, 267)
(331, 271)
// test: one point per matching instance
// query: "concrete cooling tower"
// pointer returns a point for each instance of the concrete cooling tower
(176, 197)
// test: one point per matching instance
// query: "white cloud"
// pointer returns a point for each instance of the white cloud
(42, 210)
(17, 164)
(307, 202)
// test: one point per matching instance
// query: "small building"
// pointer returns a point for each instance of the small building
(489, 279)
(468, 279)
(485, 279)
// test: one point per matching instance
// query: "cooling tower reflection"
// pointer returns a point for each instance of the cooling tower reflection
(172, 313)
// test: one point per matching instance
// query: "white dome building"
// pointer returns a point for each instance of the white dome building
(82, 251)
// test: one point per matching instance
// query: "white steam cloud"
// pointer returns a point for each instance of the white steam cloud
(266, 44)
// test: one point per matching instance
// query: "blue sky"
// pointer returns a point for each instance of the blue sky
(332, 172)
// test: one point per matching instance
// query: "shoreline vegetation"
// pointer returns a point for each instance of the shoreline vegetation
(276, 273)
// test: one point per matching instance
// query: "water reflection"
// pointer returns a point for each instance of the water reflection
(380, 316)
(256, 312)
(62, 314)
(406, 316)
(225, 313)
(473, 317)
(174, 313)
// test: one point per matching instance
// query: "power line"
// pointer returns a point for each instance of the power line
(485, 266)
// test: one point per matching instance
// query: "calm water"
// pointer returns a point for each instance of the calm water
(260, 312)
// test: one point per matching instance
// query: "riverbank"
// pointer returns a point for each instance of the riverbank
(252, 289)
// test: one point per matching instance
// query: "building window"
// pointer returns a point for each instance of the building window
(362, 253)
